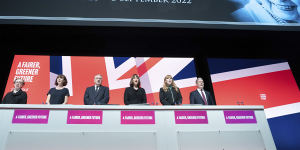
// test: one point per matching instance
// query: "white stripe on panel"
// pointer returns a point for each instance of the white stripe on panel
(249, 72)
(67, 71)
(282, 110)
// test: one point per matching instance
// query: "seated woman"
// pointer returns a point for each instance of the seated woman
(170, 94)
(135, 94)
(59, 94)
(17, 96)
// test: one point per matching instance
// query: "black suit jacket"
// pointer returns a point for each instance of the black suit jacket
(15, 98)
(101, 97)
(166, 98)
(196, 98)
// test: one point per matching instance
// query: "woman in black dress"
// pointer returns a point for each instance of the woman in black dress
(170, 94)
(59, 94)
(17, 96)
(135, 94)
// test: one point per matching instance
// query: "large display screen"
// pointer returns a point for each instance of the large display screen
(266, 82)
(159, 13)
(40, 72)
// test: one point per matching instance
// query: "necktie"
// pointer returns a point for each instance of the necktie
(97, 88)
(203, 96)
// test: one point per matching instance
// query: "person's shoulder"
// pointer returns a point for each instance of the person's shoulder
(128, 88)
(105, 87)
(194, 91)
(66, 89)
(52, 89)
(23, 92)
(90, 87)
(9, 93)
(161, 89)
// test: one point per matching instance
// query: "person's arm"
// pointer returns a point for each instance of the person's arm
(144, 96)
(192, 98)
(179, 100)
(162, 97)
(67, 94)
(126, 101)
(48, 99)
(4, 99)
(106, 96)
(66, 100)
(211, 99)
(86, 97)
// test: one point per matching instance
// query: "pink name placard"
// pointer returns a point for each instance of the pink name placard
(137, 117)
(30, 116)
(239, 116)
(191, 117)
(84, 117)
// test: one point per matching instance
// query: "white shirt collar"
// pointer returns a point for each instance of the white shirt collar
(96, 86)
(14, 91)
(200, 90)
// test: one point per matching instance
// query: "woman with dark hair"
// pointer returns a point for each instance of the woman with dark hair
(17, 96)
(59, 94)
(170, 94)
(135, 94)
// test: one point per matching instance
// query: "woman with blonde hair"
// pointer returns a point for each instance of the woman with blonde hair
(170, 94)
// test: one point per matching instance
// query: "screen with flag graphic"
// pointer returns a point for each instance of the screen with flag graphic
(234, 14)
(39, 73)
(266, 82)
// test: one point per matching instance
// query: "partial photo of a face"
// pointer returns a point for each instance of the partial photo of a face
(200, 83)
(135, 80)
(60, 80)
(169, 81)
(267, 11)
(18, 83)
(285, 9)
(98, 80)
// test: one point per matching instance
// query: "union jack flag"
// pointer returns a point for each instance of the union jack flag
(116, 73)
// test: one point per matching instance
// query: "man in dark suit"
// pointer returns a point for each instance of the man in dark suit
(200, 96)
(97, 94)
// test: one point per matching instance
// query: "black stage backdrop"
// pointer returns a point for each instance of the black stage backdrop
(148, 41)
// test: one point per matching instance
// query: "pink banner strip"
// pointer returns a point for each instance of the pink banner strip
(137, 117)
(30, 116)
(85, 117)
(191, 117)
(239, 116)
